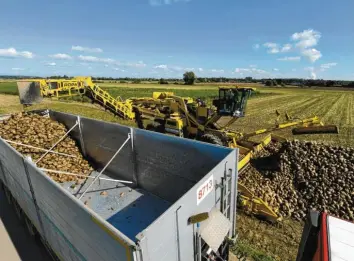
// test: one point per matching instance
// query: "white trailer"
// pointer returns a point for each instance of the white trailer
(179, 206)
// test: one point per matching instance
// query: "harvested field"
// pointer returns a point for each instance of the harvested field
(41, 132)
(11, 104)
(264, 242)
(333, 107)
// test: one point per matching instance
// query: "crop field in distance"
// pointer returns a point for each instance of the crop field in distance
(334, 106)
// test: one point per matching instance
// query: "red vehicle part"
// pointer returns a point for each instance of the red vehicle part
(326, 238)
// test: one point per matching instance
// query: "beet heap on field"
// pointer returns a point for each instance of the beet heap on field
(298, 176)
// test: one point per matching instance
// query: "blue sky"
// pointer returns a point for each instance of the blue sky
(163, 38)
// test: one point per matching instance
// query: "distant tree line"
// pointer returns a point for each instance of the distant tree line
(191, 78)
(307, 82)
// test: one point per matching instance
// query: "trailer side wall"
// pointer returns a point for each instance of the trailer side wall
(72, 231)
(154, 162)
(170, 237)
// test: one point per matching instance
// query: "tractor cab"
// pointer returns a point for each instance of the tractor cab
(232, 101)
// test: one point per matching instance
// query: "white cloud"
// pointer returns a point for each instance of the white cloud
(12, 52)
(51, 64)
(118, 69)
(312, 71)
(256, 46)
(275, 69)
(217, 71)
(286, 48)
(139, 64)
(291, 59)
(328, 65)
(273, 50)
(303, 44)
(161, 66)
(89, 58)
(189, 69)
(307, 38)
(272, 47)
(249, 70)
(106, 60)
(311, 54)
(106, 65)
(240, 70)
(61, 56)
(26, 54)
(175, 68)
(95, 59)
(258, 71)
(200, 70)
(17, 69)
(86, 49)
(253, 65)
(165, 2)
(310, 68)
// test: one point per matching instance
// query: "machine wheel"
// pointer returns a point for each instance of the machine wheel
(155, 127)
(211, 138)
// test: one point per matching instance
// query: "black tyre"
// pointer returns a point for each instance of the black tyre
(156, 127)
(211, 138)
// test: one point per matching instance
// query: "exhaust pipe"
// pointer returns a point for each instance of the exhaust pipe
(327, 129)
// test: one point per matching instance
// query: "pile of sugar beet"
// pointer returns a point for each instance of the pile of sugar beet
(42, 132)
(295, 177)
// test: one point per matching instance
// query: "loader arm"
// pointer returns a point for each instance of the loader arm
(255, 206)
(314, 123)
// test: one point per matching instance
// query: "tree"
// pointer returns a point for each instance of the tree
(163, 81)
(278, 81)
(269, 83)
(189, 78)
(330, 83)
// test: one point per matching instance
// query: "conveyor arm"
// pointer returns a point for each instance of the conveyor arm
(254, 205)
